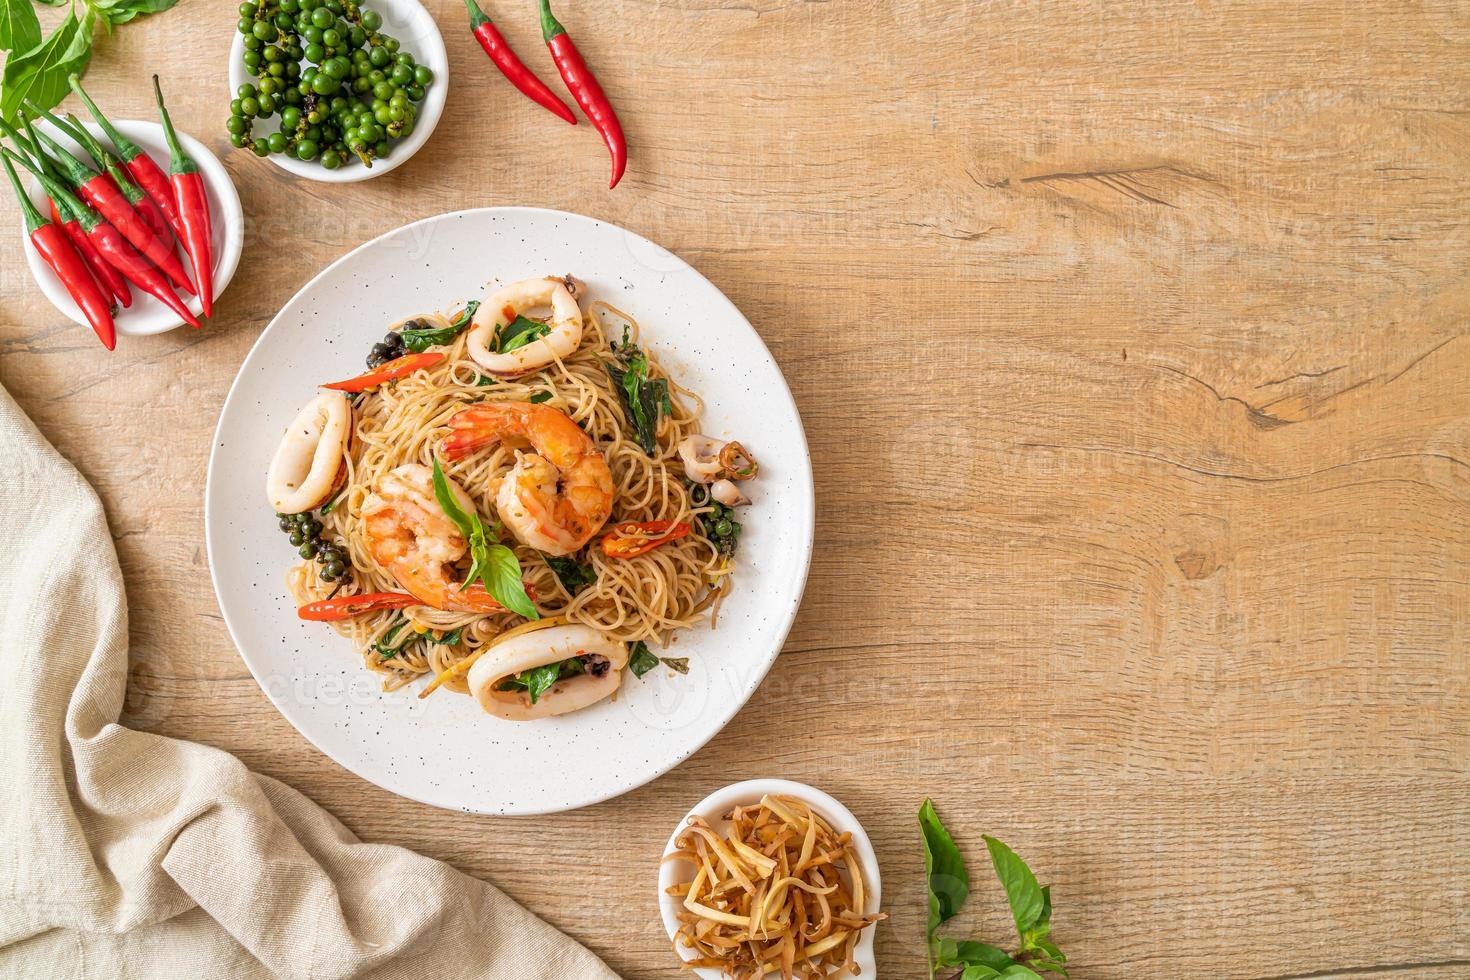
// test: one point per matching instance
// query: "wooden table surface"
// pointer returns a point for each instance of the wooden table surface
(1131, 342)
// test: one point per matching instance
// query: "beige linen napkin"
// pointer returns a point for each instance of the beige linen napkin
(125, 854)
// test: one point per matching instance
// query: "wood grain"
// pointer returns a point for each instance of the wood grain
(1131, 342)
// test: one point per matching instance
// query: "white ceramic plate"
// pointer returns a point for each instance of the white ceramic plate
(444, 750)
(717, 804)
(406, 20)
(148, 315)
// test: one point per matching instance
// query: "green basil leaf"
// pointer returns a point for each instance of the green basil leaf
(979, 972)
(1018, 971)
(40, 74)
(949, 881)
(122, 11)
(451, 638)
(1022, 890)
(573, 577)
(20, 30)
(678, 664)
(644, 400)
(466, 315)
(540, 679)
(520, 332)
(969, 953)
(501, 573)
(327, 507)
(641, 661)
(450, 505)
(485, 381)
(539, 397)
(419, 340)
(392, 642)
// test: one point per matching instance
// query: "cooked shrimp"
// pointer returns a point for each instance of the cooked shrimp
(503, 306)
(309, 463)
(408, 533)
(597, 674)
(555, 498)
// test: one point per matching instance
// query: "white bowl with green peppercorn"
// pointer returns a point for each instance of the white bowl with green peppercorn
(385, 55)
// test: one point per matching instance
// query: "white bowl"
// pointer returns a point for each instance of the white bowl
(148, 315)
(714, 807)
(406, 20)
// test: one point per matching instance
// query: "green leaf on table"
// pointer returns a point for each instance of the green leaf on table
(979, 972)
(19, 28)
(122, 11)
(969, 953)
(1022, 891)
(40, 73)
(949, 882)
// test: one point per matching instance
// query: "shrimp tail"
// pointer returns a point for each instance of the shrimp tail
(473, 429)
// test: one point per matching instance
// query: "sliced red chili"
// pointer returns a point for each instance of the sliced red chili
(633, 538)
(389, 371)
(345, 607)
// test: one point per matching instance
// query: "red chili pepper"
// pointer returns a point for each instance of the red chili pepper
(105, 160)
(331, 610)
(139, 165)
(397, 368)
(193, 207)
(52, 245)
(631, 539)
(584, 88)
(511, 66)
(111, 244)
(107, 277)
(102, 193)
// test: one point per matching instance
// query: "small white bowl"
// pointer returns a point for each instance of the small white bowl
(148, 315)
(714, 807)
(406, 20)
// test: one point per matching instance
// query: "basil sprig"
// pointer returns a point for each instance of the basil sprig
(644, 399)
(949, 886)
(420, 339)
(491, 562)
(36, 68)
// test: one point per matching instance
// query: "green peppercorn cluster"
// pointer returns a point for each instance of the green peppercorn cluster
(341, 88)
(304, 532)
(721, 527)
